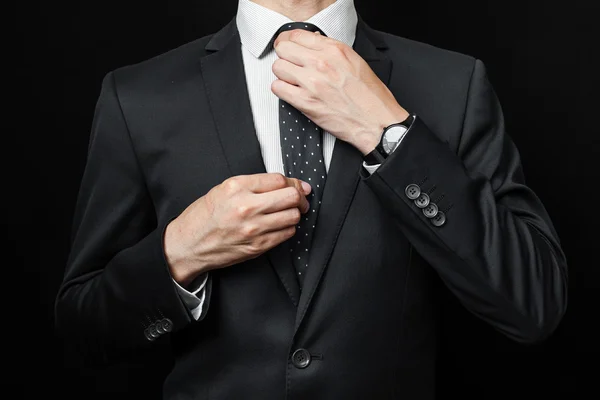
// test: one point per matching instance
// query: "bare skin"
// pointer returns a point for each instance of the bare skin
(235, 221)
(247, 215)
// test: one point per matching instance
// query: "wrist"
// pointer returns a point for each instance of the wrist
(372, 136)
(179, 261)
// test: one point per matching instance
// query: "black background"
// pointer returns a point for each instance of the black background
(542, 60)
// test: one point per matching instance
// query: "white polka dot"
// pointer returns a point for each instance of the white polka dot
(309, 179)
(301, 171)
(292, 146)
(291, 129)
(312, 154)
(297, 137)
(302, 128)
(317, 185)
(315, 169)
(298, 258)
(296, 120)
(294, 162)
(307, 162)
(323, 176)
(310, 137)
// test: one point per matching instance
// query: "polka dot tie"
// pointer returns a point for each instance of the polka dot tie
(302, 152)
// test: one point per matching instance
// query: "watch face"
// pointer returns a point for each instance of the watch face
(392, 136)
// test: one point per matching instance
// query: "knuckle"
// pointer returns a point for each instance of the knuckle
(249, 230)
(322, 65)
(296, 215)
(339, 48)
(280, 180)
(291, 231)
(277, 64)
(232, 184)
(243, 210)
(295, 196)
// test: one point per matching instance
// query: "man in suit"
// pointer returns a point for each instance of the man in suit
(305, 262)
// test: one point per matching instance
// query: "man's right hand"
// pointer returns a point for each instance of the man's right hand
(237, 220)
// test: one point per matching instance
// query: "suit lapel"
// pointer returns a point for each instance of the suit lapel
(225, 82)
(224, 79)
(342, 179)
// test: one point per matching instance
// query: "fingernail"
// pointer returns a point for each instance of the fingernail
(306, 187)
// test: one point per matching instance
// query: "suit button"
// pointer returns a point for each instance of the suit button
(167, 324)
(422, 201)
(159, 327)
(439, 219)
(153, 332)
(412, 191)
(148, 335)
(301, 358)
(431, 210)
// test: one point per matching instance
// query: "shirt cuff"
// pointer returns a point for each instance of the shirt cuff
(194, 299)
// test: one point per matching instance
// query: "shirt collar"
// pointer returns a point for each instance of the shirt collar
(257, 24)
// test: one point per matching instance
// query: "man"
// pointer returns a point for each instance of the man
(281, 200)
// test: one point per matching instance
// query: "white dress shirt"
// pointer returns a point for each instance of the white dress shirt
(257, 25)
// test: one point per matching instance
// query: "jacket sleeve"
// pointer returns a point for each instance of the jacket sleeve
(475, 221)
(117, 294)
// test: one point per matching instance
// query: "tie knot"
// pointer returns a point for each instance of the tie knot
(307, 26)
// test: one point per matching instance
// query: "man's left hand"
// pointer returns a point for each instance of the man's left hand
(334, 87)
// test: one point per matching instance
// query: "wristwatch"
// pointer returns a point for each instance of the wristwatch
(390, 137)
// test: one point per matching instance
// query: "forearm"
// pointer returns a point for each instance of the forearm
(496, 261)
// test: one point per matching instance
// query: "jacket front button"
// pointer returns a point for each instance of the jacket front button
(301, 358)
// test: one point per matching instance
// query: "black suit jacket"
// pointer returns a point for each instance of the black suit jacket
(169, 129)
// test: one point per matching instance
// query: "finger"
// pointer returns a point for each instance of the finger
(289, 72)
(310, 40)
(264, 182)
(289, 93)
(296, 53)
(279, 220)
(281, 199)
(302, 186)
